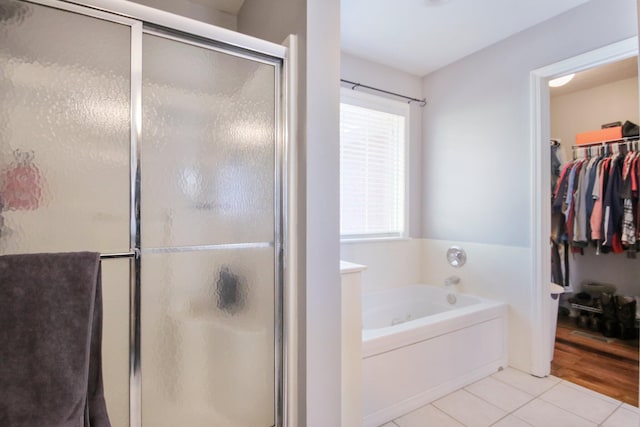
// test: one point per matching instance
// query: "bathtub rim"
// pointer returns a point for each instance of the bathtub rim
(439, 289)
(380, 340)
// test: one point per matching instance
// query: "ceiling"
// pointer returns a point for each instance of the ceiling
(421, 36)
(609, 73)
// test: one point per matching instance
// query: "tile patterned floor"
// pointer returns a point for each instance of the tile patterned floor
(512, 398)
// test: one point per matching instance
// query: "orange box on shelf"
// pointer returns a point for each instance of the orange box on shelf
(607, 134)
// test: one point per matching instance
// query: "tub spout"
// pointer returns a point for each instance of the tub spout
(451, 281)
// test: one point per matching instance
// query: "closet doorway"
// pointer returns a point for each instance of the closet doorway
(541, 303)
(596, 344)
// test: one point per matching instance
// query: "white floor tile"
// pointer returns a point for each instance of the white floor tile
(587, 405)
(526, 382)
(427, 416)
(511, 421)
(500, 394)
(512, 398)
(633, 409)
(591, 392)
(623, 417)
(542, 414)
(469, 409)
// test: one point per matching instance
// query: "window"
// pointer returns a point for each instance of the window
(373, 172)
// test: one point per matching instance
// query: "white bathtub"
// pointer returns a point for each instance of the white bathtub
(417, 347)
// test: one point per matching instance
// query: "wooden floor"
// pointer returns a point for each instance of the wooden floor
(608, 368)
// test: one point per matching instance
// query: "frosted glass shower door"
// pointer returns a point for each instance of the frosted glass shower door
(65, 155)
(209, 237)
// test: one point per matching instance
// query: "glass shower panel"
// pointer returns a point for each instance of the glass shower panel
(64, 131)
(115, 339)
(208, 180)
(208, 338)
(208, 146)
(64, 155)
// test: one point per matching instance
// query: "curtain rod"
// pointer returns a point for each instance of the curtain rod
(356, 85)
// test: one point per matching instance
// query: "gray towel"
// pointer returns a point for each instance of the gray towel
(50, 341)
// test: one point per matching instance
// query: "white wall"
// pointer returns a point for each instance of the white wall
(193, 10)
(323, 213)
(274, 20)
(588, 109)
(583, 111)
(476, 125)
(476, 158)
(318, 25)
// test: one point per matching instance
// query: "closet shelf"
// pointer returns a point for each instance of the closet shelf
(586, 308)
(619, 141)
(596, 310)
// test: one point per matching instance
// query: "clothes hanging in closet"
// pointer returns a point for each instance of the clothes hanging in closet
(595, 202)
(559, 248)
(556, 163)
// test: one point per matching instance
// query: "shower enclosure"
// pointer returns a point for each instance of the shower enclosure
(161, 147)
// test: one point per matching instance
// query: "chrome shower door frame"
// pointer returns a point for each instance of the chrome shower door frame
(280, 211)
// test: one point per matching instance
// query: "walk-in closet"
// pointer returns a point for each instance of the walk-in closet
(595, 219)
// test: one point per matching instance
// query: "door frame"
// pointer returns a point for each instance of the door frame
(541, 187)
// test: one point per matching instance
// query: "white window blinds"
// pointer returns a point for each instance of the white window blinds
(373, 140)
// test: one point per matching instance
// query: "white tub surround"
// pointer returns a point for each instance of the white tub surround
(495, 272)
(417, 347)
(351, 312)
(389, 262)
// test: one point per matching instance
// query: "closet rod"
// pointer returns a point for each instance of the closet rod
(356, 85)
(609, 141)
(130, 254)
